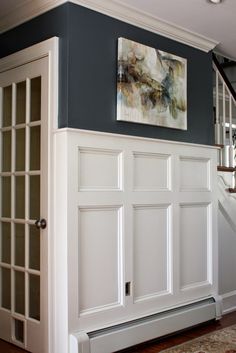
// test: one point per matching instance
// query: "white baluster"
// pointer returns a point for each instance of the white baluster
(231, 145)
(217, 122)
(225, 148)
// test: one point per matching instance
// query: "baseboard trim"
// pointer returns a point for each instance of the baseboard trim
(229, 302)
(122, 336)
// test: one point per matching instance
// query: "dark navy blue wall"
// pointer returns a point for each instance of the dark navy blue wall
(88, 57)
(53, 23)
(92, 78)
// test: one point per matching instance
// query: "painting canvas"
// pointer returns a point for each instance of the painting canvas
(151, 86)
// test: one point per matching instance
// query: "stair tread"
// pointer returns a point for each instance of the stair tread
(232, 190)
(226, 169)
(219, 145)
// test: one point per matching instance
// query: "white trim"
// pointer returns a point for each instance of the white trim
(229, 302)
(118, 10)
(138, 138)
(142, 330)
(129, 14)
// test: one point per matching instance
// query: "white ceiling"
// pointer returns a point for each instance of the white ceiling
(8, 6)
(217, 22)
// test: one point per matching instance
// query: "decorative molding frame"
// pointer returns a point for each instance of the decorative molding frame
(116, 9)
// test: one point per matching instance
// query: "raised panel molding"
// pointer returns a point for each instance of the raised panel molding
(100, 254)
(152, 244)
(195, 174)
(137, 243)
(152, 171)
(195, 245)
(100, 169)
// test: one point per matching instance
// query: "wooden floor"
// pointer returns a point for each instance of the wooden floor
(159, 344)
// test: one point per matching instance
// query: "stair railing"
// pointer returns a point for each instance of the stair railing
(225, 126)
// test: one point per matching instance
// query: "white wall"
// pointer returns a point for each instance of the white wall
(227, 254)
(227, 244)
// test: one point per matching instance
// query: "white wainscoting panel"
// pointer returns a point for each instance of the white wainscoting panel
(99, 169)
(195, 174)
(142, 230)
(151, 171)
(195, 244)
(151, 251)
(99, 258)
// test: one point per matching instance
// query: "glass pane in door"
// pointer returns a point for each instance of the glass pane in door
(20, 197)
(19, 292)
(19, 245)
(34, 297)
(6, 288)
(6, 197)
(19, 330)
(34, 248)
(6, 151)
(20, 102)
(34, 197)
(35, 99)
(35, 148)
(7, 106)
(6, 242)
(20, 149)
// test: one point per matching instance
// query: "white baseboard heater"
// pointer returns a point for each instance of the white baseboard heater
(124, 335)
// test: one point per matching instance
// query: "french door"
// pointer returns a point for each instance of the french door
(24, 206)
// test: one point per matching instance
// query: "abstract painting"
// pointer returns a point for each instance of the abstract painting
(151, 86)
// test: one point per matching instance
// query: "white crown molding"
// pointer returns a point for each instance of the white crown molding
(115, 9)
(128, 14)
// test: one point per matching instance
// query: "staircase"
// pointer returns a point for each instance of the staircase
(225, 124)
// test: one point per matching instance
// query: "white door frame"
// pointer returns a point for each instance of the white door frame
(49, 49)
